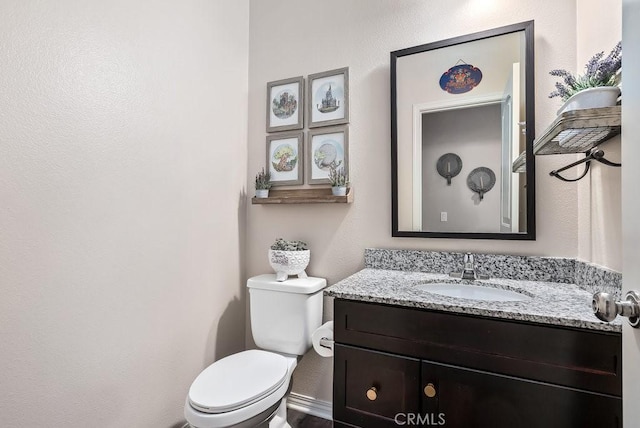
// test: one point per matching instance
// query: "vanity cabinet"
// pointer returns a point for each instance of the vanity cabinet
(403, 366)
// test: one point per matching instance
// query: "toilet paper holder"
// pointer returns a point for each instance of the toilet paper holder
(322, 340)
(326, 343)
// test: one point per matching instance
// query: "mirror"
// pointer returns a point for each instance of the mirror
(462, 127)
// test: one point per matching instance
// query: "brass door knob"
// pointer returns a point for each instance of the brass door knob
(372, 393)
(430, 390)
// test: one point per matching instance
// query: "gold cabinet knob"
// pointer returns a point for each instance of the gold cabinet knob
(430, 390)
(372, 393)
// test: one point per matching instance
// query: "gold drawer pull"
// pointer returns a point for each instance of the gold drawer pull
(372, 393)
(430, 390)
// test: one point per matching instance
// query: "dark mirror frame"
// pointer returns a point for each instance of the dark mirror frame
(530, 234)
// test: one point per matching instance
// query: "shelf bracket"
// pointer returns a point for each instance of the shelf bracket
(592, 155)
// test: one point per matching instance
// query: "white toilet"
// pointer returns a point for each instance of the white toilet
(248, 389)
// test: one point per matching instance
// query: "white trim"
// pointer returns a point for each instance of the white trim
(515, 151)
(310, 406)
(416, 201)
(511, 135)
(454, 104)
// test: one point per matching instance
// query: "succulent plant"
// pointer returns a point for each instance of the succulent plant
(263, 180)
(338, 176)
(283, 245)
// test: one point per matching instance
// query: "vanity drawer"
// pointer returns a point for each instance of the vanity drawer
(472, 398)
(357, 372)
(576, 358)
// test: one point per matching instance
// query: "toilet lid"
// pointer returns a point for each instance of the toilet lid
(237, 381)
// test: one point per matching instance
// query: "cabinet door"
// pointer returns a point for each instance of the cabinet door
(370, 388)
(468, 398)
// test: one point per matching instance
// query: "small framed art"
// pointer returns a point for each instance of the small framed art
(326, 147)
(285, 158)
(285, 104)
(328, 98)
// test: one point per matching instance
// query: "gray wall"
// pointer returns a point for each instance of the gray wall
(475, 135)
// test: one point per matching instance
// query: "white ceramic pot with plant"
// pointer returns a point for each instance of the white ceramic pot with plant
(289, 258)
(604, 96)
(339, 180)
(263, 184)
(595, 88)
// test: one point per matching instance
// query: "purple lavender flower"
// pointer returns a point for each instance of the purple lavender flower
(593, 64)
(611, 64)
(599, 71)
(568, 79)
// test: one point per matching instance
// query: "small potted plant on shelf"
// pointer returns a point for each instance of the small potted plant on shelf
(263, 184)
(595, 88)
(289, 258)
(339, 180)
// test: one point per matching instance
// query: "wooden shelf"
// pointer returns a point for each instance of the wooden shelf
(577, 131)
(304, 196)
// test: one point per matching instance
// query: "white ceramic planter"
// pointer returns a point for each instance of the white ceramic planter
(287, 263)
(339, 191)
(603, 96)
(262, 193)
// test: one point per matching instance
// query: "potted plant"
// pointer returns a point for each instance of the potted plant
(595, 88)
(339, 180)
(263, 184)
(289, 258)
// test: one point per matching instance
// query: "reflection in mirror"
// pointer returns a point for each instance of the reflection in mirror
(464, 105)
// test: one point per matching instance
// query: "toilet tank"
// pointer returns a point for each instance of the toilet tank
(285, 314)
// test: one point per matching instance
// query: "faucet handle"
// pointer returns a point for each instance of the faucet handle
(467, 260)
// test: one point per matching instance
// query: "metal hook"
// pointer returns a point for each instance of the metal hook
(594, 154)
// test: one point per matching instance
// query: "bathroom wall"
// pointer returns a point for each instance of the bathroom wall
(599, 194)
(291, 38)
(123, 153)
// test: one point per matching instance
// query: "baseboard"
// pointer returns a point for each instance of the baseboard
(310, 406)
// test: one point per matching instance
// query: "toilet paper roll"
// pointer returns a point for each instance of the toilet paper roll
(322, 339)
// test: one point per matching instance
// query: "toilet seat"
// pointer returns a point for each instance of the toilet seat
(237, 381)
(266, 400)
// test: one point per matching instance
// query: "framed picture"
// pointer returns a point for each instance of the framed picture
(326, 147)
(328, 98)
(285, 104)
(285, 158)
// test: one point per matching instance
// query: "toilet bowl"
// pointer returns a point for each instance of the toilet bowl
(248, 389)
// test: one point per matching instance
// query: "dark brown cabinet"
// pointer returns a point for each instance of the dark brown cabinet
(377, 385)
(402, 366)
(471, 398)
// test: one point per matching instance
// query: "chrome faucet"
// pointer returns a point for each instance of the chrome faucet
(468, 269)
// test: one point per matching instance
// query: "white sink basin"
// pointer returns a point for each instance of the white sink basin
(474, 292)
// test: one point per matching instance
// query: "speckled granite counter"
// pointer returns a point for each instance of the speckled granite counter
(589, 277)
(553, 303)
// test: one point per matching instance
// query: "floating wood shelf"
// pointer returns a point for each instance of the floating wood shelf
(304, 196)
(577, 131)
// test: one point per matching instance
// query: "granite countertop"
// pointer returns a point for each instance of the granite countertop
(551, 303)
